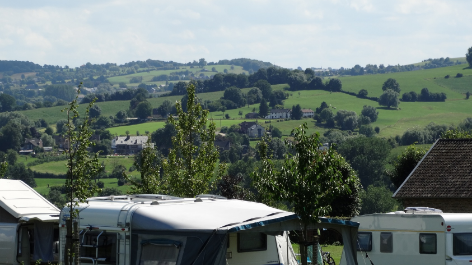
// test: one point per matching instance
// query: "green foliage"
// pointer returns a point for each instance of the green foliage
(65, 92)
(377, 199)
(362, 93)
(468, 56)
(3, 168)
(7, 102)
(326, 114)
(82, 168)
(11, 136)
(335, 85)
(456, 134)
(389, 98)
(263, 109)
(276, 132)
(265, 88)
(189, 168)
(405, 163)
(95, 111)
(391, 84)
(297, 113)
(143, 110)
(234, 94)
(148, 164)
(347, 120)
(367, 155)
(370, 112)
(309, 180)
(367, 130)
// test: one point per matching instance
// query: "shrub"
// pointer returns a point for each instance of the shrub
(447, 76)
(459, 75)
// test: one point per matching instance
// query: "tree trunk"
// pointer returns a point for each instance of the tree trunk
(67, 250)
(76, 244)
(314, 259)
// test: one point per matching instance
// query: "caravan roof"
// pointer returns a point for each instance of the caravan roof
(22, 201)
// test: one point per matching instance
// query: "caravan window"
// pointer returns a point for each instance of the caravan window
(386, 242)
(105, 243)
(252, 242)
(462, 244)
(428, 243)
(364, 241)
(159, 252)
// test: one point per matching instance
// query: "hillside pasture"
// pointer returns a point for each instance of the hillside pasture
(42, 184)
(59, 167)
(409, 81)
(147, 76)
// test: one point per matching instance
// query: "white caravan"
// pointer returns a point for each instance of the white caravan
(29, 225)
(415, 236)
(152, 229)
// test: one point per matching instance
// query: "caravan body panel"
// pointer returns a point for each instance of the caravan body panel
(412, 238)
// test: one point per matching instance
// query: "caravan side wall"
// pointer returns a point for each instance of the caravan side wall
(402, 239)
(8, 243)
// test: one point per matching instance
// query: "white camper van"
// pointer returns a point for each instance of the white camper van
(415, 236)
(159, 229)
(29, 225)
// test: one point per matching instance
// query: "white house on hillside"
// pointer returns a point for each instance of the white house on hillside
(308, 113)
(279, 114)
(127, 145)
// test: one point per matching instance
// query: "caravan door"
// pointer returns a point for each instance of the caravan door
(8, 243)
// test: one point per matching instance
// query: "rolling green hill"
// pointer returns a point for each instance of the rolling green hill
(391, 122)
(147, 76)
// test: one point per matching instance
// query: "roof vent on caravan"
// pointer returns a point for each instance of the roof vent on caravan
(422, 210)
(210, 196)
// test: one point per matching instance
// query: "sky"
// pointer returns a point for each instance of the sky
(295, 33)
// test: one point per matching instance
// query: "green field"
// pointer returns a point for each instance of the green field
(391, 122)
(147, 76)
(42, 184)
(59, 167)
(409, 81)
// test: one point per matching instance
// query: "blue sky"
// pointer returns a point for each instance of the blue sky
(305, 33)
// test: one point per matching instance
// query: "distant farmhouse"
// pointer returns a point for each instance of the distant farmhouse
(252, 129)
(279, 114)
(308, 113)
(128, 145)
(442, 179)
(29, 145)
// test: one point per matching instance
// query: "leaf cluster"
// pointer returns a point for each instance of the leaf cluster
(309, 180)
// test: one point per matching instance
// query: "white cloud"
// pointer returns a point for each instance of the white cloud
(289, 33)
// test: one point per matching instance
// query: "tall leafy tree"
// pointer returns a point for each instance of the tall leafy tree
(263, 108)
(297, 113)
(367, 155)
(309, 180)
(391, 84)
(189, 169)
(144, 109)
(468, 56)
(405, 163)
(265, 88)
(370, 112)
(389, 98)
(81, 171)
(149, 166)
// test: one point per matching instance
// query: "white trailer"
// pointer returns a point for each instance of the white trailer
(28, 225)
(152, 229)
(415, 236)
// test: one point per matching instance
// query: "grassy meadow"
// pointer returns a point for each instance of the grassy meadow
(147, 76)
(391, 121)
